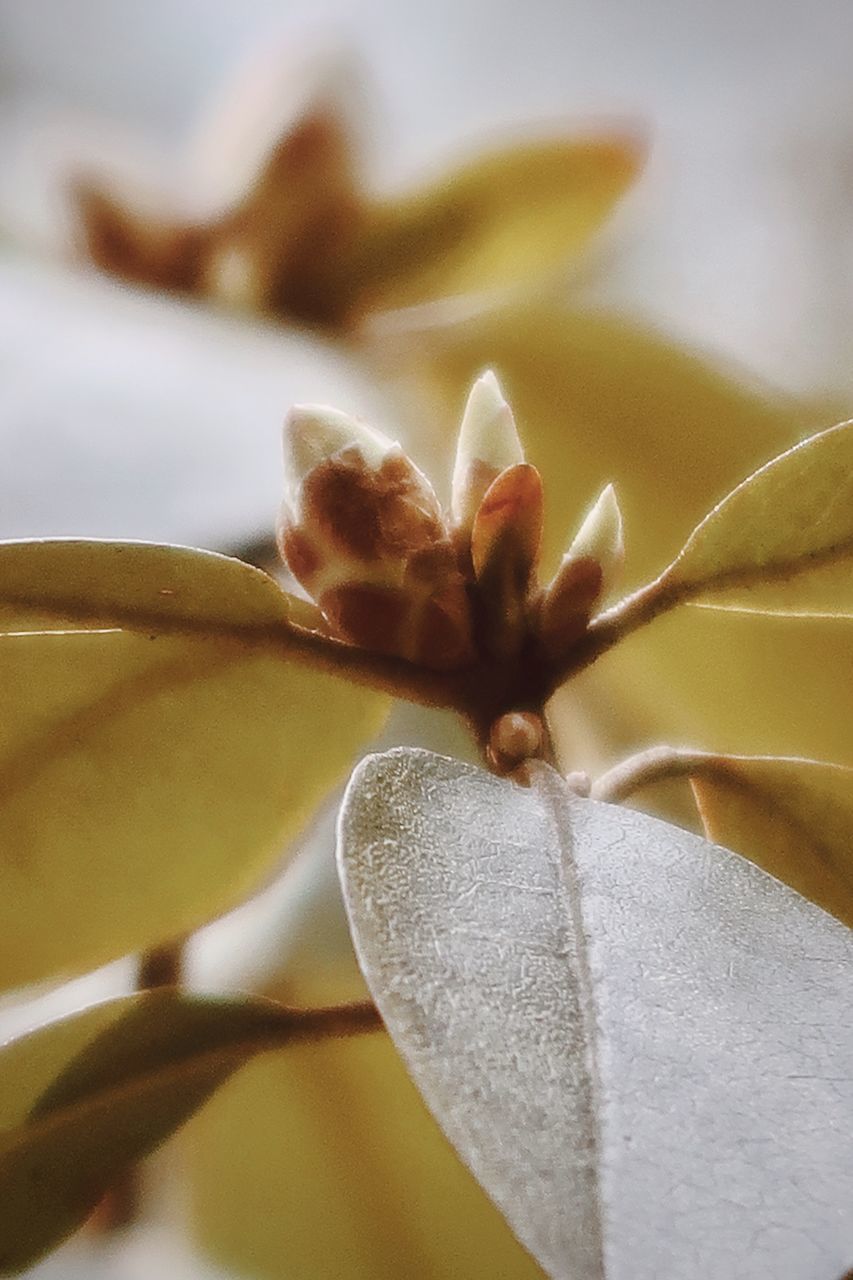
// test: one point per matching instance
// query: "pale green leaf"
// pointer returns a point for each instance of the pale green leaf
(639, 1042)
(154, 755)
(83, 1097)
(735, 682)
(135, 585)
(497, 222)
(793, 817)
(403, 1204)
(345, 1105)
(782, 541)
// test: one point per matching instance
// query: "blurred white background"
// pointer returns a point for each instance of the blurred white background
(741, 235)
(738, 237)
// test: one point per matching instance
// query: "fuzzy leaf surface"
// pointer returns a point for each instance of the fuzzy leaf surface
(154, 758)
(791, 816)
(83, 1097)
(782, 541)
(640, 1043)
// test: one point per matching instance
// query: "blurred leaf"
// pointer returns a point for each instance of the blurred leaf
(403, 1204)
(501, 220)
(730, 682)
(153, 762)
(792, 817)
(783, 539)
(83, 1097)
(613, 1020)
(380, 1194)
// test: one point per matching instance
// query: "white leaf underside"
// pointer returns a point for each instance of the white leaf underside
(641, 1044)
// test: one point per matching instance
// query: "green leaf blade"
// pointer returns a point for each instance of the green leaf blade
(782, 541)
(495, 224)
(85, 1096)
(154, 759)
(792, 817)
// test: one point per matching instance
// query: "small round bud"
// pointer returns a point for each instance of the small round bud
(514, 738)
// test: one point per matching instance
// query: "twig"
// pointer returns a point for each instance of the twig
(160, 966)
(655, 765)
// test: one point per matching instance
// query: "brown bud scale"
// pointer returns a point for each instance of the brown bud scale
(371, 514)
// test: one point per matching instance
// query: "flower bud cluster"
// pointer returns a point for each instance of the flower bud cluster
(362, 531)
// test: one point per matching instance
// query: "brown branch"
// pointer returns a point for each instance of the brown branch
(379, 671)
(608, 628)
(333, 1021)
(160, 966)
(285, 638)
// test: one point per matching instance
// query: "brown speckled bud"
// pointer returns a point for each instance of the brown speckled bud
(361, 529)
(504, 553)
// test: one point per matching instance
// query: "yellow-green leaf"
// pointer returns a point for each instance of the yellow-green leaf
(380, 1193)
(135, 585)
(500, 221)
(782, 541)
(722, 681)
(154, 758)
(793, 817)
(83, 1097)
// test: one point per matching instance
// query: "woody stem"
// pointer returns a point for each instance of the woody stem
(160, 966)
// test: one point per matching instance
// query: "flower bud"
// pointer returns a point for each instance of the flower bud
(361, 529)
(567, 603)
(600, 537)
(586, 572)
(505, 544)
(488, 444)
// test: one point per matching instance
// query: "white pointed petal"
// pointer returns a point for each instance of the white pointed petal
(488, 444)
(601, 536)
